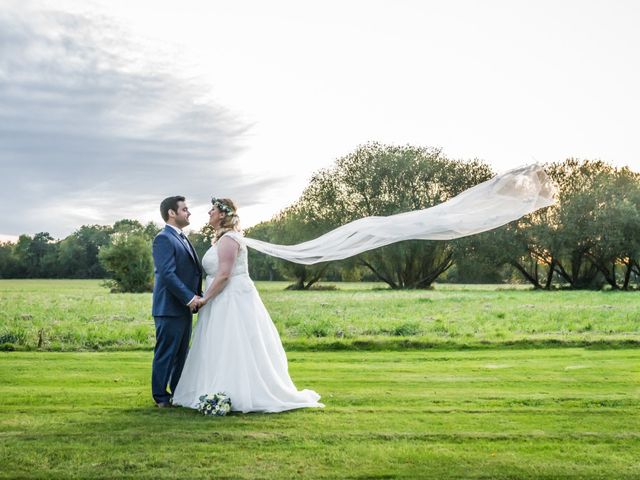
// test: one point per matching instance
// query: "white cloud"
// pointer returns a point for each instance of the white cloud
(95, 127)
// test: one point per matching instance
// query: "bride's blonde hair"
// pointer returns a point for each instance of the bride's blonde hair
(230, 221)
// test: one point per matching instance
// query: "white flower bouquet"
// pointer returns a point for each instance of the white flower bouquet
(218, 404)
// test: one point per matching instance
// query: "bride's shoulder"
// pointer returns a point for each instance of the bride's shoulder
(237, 237)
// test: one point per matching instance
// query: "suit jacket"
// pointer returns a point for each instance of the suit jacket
(178, 275)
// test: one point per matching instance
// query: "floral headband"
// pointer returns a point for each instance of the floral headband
(216, 202)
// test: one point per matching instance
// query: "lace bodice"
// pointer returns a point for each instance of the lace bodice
(210, 259)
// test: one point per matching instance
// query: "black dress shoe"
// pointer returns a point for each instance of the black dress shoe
(163, 405)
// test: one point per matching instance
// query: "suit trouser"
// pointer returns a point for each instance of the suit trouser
(170, 353)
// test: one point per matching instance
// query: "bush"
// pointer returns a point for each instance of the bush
(129, 262)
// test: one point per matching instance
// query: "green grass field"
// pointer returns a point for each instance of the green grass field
(560, 413)
(72, 315)
(498, 393)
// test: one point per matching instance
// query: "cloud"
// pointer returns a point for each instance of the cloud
(95, 127)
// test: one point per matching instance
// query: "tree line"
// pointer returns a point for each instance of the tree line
(589, 239)
(119, 253)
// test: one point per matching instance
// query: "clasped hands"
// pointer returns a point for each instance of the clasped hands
(195, 304)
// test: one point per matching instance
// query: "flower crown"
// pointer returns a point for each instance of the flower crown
(221, 206)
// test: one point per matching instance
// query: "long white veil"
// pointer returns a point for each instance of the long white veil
(488, 205)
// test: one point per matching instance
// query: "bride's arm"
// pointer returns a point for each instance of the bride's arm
(227, 253)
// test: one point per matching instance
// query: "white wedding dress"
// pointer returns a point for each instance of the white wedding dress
(236, 348)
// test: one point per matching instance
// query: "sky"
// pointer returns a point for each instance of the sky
(109, 106)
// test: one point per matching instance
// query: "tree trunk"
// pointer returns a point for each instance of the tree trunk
(563, 273)
(627, 275)
(609, 275)
(426, 282)
(379, 275)
(316, 277)
(298, 285)
(525, 274)
(552, 267)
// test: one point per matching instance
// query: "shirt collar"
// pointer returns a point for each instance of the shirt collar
(178, 231)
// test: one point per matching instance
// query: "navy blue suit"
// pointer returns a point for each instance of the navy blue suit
(178, 278)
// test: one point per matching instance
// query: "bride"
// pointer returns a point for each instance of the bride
(235, 347)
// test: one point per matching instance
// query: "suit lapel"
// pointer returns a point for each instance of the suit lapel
(188, 248)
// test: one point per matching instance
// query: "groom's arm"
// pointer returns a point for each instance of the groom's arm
(165, 262)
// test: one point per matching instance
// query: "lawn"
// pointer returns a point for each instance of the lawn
(500, 413)
(72, 315)
(455, 382)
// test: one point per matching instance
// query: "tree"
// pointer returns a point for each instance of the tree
(129, 226)
(73, 261)
(584, 239)
(78, 253)
(615, 227)
(381, 179)
(573, 216)
(512, 246)
(291, 226)
(128, 259)
(262, 266)
(479, 258)
(9, 267)
(37, 256)
(594, 226)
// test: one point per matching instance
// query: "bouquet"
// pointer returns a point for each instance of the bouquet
(218, 404)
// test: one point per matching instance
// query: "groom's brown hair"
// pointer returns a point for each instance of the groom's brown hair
(169, 203)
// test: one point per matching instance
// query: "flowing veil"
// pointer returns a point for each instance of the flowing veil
(486, 206)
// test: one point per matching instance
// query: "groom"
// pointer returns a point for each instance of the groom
(176, 292)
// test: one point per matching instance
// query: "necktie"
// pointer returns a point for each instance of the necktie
(191, 250)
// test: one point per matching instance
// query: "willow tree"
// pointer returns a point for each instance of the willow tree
(377, 180)
(598, 218)
(588, 239)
